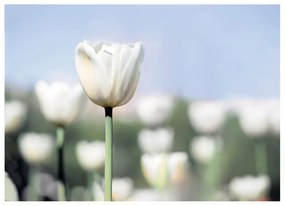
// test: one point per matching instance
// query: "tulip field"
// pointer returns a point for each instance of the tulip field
(176, 155)
(142, 103)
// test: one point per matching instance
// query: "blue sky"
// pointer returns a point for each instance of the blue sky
(192, 51)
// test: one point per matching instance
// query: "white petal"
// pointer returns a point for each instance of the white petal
(130, 75)
(92, 74)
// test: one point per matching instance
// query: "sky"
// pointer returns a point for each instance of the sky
(204, 52)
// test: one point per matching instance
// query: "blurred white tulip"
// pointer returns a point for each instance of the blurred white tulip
(254, 119)
(98, 192)
(249, 187)
(109, 73)
(207, 117)
(163, 169)
(179, 168)
(274, 116)
(36, 147)
(155, 110)
(156, 141)
(203, 148)
(146, 195)
(154, 169)
(11, 193)
(235, 106)
(59, 102)
(15, 114)
(122, 188)
(90, 155)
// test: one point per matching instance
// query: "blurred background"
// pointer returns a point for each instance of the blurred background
(218, 66)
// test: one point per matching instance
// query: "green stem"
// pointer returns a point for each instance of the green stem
(93, 178)
(32, 192)
(260, 157)
(108, 153)
(218, 162)
(61, 192)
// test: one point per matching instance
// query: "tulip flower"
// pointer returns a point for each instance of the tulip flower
(203, 149)
(155, 110)
(11, 193)
(274, 116)
(98, 191)
(60, 104)
(35, 148)
(179, 167)
(255, 124)
(249, 187)
(163, 169)
(156, 141)
(90, 155)
(122, 188)
(207, 117)
(15, 113)
(109, 74)
(254, 120)
(154, 168)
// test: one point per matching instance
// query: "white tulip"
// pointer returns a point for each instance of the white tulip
(235, 106)
(36, 147)
(162, 169)
(178, 166)
(154, 168)
(11, 193)
(90, 155)
(146, 195)
(155, 110)
(109, 73)
(253, 119)
(156, 141)
(203, 149)
(249, 187)
(274, 116)
(15, 114)
(98, 192)
(59, 102)
(122, 188)
(207, 117)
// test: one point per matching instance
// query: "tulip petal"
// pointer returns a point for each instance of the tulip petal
(92, 73)
(131, 73)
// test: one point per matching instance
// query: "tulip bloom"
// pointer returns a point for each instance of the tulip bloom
(249, 187)
(163, 169)
(156, 141)
(203, 149)
(15, 113)
(91, 156)
(122, 188)
(254, 121)
(11, 193)
(60, 104)
(109, 74)
(155, 110)
(35, 148)
(207, 117)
